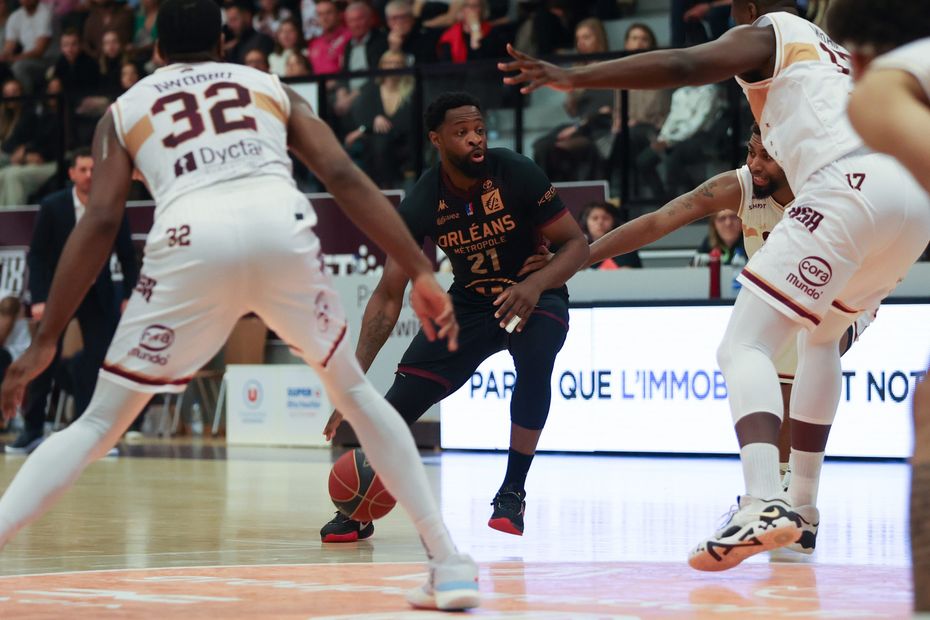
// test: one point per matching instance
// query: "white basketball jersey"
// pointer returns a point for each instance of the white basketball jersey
(759, 215)
(913, 58)
(801, 109)
(191, 126)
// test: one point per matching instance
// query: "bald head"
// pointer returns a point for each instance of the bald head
(747, 11)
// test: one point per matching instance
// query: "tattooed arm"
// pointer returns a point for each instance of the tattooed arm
(381, 313)
(719, 193)
(380, 317)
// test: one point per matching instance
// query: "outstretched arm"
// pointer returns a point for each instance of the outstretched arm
(901, 127)
(381, 314)
(719, 193)
(741, 50)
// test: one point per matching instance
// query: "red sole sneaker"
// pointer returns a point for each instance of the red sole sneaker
(503, 524)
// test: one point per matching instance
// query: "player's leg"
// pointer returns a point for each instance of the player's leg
(534, 351)
(54, 466)
(299, 304)
(784, 439)
(920, 498)
(162, 340)
(764, 520)
(426, 374)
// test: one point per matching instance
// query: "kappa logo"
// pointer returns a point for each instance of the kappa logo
(492, 202)
(442, 205)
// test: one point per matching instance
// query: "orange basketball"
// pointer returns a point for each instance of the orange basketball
(356, 489)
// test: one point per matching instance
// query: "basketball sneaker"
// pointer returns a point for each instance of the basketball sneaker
(25, 443)
(509, 506)
(755, 525)
(343, 529)
(452, 585)
(810, 521)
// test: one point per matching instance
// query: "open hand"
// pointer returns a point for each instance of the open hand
(29, 366)
(534, 72)
(434, 309)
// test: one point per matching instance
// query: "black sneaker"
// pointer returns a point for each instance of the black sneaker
(344, 529)
(25, 443)
(509, 506)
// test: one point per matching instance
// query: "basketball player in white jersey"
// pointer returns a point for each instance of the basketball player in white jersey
(890, 108)
(759, 194)
(232, 235)
(858, 223)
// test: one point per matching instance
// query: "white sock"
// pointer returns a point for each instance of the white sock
(760, 469)
(805, 477)
(783, 468)
(389, 446)
(60, 459)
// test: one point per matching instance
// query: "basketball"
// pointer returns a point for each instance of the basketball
(356, 489)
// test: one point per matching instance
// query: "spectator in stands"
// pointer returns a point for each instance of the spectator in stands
(724, 233)
(106, 15)
(269, 17)
(241, 36)
(298, 66)
(363, 52)
(17, 124)
(646, 109)
(385, 136)
(682, 140)
(110, 64)
(77, 71)
(326, 50)
(5, 73)
(257, 59)
(577, 151)
(146, 31)
(310, 27)
(596, 220)
(31, 163)
(27, 36)
(129, 74)
(289, 40)
(691, 19)
(14, 332)
(546, 28)
(406, 33)
(471, 37)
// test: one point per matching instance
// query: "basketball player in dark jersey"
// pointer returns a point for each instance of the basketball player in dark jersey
(487, 209)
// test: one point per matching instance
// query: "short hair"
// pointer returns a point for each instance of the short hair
(436, 111)
(188, 27)
(617, 215)
(71, 31)
(397, 6)
(359, 6)
(756, 130)
(882, 26)
(77, 154)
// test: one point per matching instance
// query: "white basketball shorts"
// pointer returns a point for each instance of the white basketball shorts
(855, 229)
(212, 257)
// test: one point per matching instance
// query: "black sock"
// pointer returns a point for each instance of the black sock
(518, 466)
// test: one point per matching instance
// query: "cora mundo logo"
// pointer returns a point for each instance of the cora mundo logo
(252, 394)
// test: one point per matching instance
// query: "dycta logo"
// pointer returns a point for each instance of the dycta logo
(252, 394)
(815, 271)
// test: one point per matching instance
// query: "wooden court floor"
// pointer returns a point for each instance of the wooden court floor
(199, 530)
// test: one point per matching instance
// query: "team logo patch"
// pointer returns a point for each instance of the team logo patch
(442, 205)
(156, 338)
(492, 202)
(146, 286)
(815, 271)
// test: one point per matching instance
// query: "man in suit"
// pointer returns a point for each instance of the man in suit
(97, 315)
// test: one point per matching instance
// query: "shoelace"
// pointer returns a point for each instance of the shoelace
(509, 500)
(724, 519)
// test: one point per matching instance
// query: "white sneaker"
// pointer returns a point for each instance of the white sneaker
(452, 586)
(810, 521)
(756, 525)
